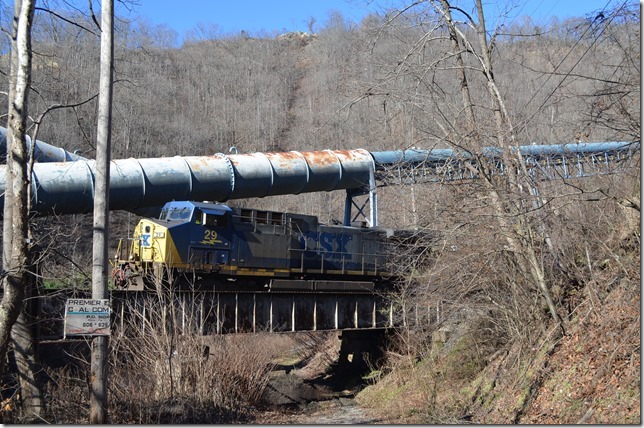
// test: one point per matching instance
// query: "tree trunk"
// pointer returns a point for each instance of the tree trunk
(15, 222)
(524, 246)
(24, 346)
(28, 369)
(15, 225)
(99, 399)
(8, 309)
(510, 214)
(468, 105)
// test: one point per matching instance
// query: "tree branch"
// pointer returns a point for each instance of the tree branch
(76, 24)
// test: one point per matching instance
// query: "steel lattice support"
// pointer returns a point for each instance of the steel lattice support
(425, 167)
(552, 162)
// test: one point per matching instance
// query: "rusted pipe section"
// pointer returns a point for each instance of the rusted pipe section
(137, 184)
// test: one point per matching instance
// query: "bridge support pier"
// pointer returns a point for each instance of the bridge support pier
(359, 347)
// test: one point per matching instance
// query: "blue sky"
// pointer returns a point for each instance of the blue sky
(293, 15)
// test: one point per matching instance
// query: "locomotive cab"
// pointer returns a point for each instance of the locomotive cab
(186, 236)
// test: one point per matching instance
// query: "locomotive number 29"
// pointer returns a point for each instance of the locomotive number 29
(210, 237)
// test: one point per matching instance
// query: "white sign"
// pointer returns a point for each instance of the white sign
(87, 317)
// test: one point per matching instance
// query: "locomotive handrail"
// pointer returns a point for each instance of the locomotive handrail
(361, 254)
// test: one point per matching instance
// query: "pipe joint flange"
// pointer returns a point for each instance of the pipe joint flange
(231, 172)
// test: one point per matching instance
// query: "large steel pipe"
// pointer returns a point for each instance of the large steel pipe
(135, 184)
(43, 152)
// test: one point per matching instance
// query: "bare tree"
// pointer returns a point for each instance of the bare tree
(15, 227)
(482, 120)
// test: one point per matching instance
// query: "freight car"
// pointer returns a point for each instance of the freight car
(200, 244)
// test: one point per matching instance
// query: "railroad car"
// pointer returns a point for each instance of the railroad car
(201, 244)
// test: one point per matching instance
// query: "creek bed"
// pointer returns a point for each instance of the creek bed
(327, 399)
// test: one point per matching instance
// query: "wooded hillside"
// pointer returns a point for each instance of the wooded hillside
(521, 264)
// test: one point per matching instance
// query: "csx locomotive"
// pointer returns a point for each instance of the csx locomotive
(201, 244)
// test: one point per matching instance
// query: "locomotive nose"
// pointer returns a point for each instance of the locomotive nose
(149, 241)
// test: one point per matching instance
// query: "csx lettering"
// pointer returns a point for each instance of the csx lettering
(145, 240)
(332, 243)
(341, 242)
(326, 241)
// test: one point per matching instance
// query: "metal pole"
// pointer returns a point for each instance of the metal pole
(293, 313)
(315, 313)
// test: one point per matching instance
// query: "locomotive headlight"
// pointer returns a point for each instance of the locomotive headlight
(159, 234)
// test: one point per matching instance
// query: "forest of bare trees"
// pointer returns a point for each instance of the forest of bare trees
(519, 256)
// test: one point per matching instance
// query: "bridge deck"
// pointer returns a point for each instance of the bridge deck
(224, 312)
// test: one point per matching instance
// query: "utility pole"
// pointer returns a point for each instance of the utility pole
(98, 398)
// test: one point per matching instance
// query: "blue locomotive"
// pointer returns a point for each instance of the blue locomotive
(201, 244)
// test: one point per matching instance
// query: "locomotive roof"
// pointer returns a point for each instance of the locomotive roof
(201, 205)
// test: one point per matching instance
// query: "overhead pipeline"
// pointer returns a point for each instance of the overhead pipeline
(43, 152)
(140, 184)
(136, 184)
(537, 152)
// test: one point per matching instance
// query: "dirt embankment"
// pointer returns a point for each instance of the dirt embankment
(590, 374)
(594, 374)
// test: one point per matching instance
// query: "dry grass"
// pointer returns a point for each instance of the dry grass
(158, 375)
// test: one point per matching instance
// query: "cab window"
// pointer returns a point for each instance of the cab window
(213, 220)
(183, 213)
